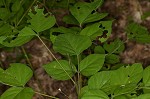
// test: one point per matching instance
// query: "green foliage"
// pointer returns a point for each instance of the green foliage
(58, 70)
(114, 47)
(39, 21)
(138, 33)
(16, 75)
(18, 93)
(91, 64)
(82, 11)
(95, 94)
(89, 60)
(71, 44)
(98, 29)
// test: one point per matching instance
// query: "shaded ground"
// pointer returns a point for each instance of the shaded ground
(122, 11)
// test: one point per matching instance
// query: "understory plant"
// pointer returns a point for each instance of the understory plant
(89, 60)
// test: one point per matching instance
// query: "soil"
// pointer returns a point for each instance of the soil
(123, 11)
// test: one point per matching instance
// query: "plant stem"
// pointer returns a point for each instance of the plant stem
(25, 54)
(55, 59)
(25, 13)
(79, 80)
(46, 95)
(38, 82)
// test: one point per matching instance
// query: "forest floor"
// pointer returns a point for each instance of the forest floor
(123, 11)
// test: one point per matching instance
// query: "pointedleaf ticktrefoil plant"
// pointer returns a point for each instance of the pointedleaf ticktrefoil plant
(87, 55)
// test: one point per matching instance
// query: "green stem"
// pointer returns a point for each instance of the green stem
(25, 54)
(55, 59)
(46, 95)
(79, 80)
(38, 82)
(143, 88)
(25, 13)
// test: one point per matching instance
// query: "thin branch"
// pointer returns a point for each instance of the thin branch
(46, 95)
(26, 12)
(79, 82)
(55, 58)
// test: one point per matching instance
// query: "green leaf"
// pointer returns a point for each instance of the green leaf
(82, 10)
(121, 97)
(101, 29)
(143, 96)
(5, 30)
(2, 38)
(114, 47)
(25, 35)
(95, 94)
(18, 93)
(56, 71)
(69, 19)
(16, 6)
(138, 33)
(39, 21)
(16, 75)
(124, 89)
(55, 31)
(119, 77)
(107, 28)
(26, 31)
(112, 59)
(91, 64)
(146, 76)
(71, 44)
(125, 78)
(4, 14)
(99, 50)
(83, 91)
(93, 30)
(95, 17)
(135, 73)
(126, 75)
(99, 80)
